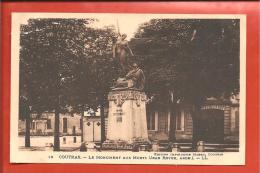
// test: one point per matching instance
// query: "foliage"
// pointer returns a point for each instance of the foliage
(194, 59)
(60, 63)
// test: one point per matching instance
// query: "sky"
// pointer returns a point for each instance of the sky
(128, 24)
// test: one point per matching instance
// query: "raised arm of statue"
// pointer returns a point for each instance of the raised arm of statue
(118, 29)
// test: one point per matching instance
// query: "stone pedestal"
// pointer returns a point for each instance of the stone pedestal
(127, 116)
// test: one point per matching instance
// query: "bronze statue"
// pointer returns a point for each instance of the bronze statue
(134, 79)
(121, 50)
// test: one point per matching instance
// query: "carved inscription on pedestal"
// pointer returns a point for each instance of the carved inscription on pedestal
(119, 115)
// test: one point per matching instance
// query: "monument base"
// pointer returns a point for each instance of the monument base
(126, 145)
(127, 123)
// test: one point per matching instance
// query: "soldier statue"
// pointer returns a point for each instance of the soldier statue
(134, 79)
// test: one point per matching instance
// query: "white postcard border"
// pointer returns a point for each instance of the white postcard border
(17, 156)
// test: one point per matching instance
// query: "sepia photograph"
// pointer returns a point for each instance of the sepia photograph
(128, 88)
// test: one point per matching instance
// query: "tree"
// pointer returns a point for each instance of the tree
(187, 61)
(103, 72)
(24, 114)
(51, 51)
(65, 66)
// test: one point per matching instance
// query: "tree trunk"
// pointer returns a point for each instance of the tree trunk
(57, 130)
(195, 123)
(81, 125)
(172, 136)
(102, 116)
(27, 131)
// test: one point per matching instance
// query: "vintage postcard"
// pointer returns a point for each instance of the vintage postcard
(116, 88)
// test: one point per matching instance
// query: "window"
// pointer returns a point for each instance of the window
(180, 121)
(236, 121)
(48, 123)
(163, 121)
(151, 121)
(32, 125)
(74, 130)
(65, 125)
(80, 124)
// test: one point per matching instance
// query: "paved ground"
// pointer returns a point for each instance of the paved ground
(39, 143)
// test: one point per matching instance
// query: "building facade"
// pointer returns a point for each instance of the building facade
(218, 122)
(43, 125)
